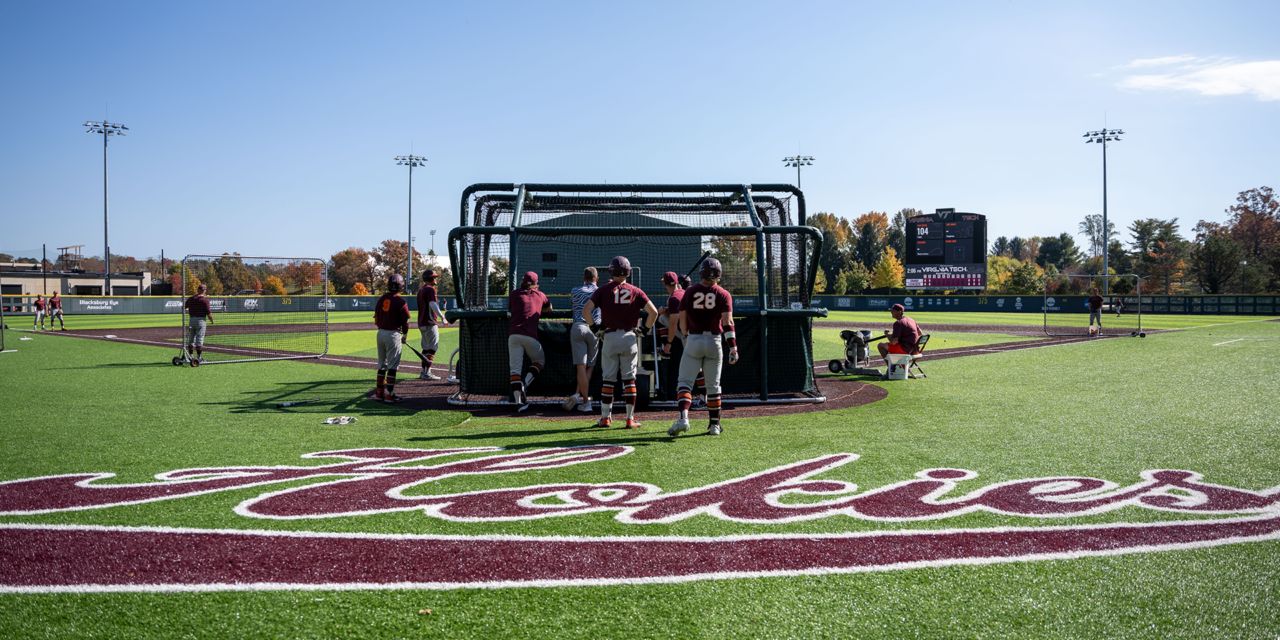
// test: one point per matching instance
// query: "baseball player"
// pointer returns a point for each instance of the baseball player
(40, 304)
(1095, 310)
(620, 304)
(55, 311)
(582, 342)
(391, 314)
(706, 315)
(669, 327)
(199, 313)
(428, 311)
(525, 305)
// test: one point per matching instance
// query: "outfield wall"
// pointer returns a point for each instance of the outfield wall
(1185, 305)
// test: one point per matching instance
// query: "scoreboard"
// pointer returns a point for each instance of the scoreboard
(946, 250)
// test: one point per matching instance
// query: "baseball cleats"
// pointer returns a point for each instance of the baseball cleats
(524, 406)
(680, 426)
(427, 375)
(571, 402)
(391, 398)
(378, 396)
(632, 423)
(585, 407)
(699, 403)
(714, 430)
(604, 423)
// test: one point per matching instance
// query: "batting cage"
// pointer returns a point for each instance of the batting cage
(757, 232)
(255, 308)
(1067, 312)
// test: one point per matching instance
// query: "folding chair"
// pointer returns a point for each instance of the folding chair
(915, 357)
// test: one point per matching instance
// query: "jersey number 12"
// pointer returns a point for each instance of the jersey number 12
(622, 296)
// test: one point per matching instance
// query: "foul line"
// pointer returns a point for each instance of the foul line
(1228, 342)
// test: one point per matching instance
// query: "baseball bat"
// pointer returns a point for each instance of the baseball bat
(420, 356)
(697, 264)
(282, 405)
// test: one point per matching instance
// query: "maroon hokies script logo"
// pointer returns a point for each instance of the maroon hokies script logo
(371, 481)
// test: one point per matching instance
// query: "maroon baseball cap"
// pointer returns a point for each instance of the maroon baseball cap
(429, 273)
(670, 277)
(897, 307)
(530, 277)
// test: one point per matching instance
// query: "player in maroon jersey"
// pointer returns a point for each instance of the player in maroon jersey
(428, 311)
(55, 311)
(391, 314)
(620, 304)
(525, 305)
(200, 314)
(40, 304)
(706, 315)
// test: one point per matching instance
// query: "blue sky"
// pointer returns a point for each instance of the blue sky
(270, 128)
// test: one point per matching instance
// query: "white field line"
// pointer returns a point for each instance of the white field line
(1228, 342)
(1222, 324)
(403, 365)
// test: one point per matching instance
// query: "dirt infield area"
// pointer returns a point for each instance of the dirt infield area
(841, 392)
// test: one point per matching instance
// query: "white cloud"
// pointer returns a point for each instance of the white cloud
(1209, 76)
(1155, 62)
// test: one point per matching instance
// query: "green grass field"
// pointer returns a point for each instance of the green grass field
(1105, 409)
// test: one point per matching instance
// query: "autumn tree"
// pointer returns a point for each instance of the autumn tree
(273, 286)
(837, 239)
(1255, 222)
(1027, 279)
(303, 275)
(856, 278)
(1165, 262)
(351, 266)
(888, 271)
(358, 289)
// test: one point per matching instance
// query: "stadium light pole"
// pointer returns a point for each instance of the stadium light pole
(411, 161)
(106, 129)
(797, 162)
(1102, 137)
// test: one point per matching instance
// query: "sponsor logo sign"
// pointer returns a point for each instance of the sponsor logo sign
(878, 303)
(327, 304)
(251, 304)
(364, 482)
(173, 304)
(1000, 302)
(844, 302)
(104, 304)
(907, 302)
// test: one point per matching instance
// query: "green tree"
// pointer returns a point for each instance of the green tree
(856, 279)
(869, 247)
(1000, 247)
(1091, 229)
(498, 274)
(1017, 246)
(1060, 252)
(1215, 261)
(1027, 279)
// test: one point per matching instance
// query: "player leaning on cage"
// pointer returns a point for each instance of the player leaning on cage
(199, 313)
(620, 304)
(391, 315)
(55, 311)
(525, 305)
(583, 344)
(706, 315)
(428, 311)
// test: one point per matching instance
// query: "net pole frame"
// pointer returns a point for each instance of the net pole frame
(1045, 303)
(324, 305)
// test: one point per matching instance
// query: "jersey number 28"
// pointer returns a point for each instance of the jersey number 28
(705, 300)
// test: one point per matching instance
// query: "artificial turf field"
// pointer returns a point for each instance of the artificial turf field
(1205, 399)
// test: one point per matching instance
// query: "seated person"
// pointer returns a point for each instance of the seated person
(904, 336)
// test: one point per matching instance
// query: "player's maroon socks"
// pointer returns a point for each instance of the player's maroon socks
(629, 396)
(534, 370)
(428, 360)
(606, 398)
(684, 400)
(382, 382)
(391, 382)
(517, 388)
(700, 385)
(713, 407)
